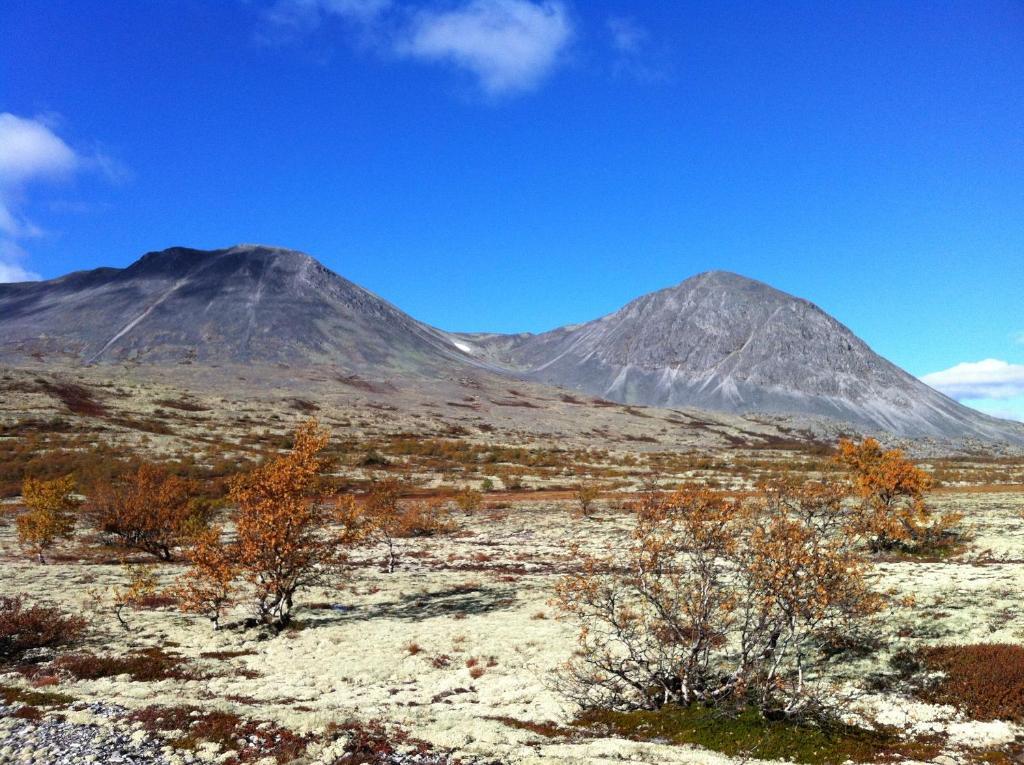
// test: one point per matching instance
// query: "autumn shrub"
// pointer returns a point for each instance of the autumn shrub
(50, 515)
(585, 494)
(985, 680)
(718, 601)
(384, 517)
(209, 586)
(469, 500)
(150, 510)
(138, 589)
(285, 540)
(892, 512)
(25, 626)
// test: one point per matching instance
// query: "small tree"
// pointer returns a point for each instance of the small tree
(283, 544)
(892, 510)
(385, 518)
(149, 510)
(585, 494)
(50, 515)
(382, 515)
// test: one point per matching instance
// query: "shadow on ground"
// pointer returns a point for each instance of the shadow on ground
(418, 606)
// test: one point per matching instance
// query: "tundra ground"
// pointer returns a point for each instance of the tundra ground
(460, 646)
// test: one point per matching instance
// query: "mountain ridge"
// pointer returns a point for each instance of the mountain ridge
(715, 341)
(243, 303)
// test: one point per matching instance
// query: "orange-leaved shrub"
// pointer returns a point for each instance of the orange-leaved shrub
(720, 601)
(892, 511)
(150, 510)
(50, 515)
(209, 587)
(285, 539)
(384, 517)
(586, 493)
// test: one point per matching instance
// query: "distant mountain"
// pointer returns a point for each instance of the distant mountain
(244, 304)
(723, 342)
(717, 341)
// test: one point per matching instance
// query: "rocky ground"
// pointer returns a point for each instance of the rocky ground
(458, 648)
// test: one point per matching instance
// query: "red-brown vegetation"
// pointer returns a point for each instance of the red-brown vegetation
(150, 510)
(26, 626)
(985, 680)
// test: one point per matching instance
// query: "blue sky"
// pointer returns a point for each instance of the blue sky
(518, 164)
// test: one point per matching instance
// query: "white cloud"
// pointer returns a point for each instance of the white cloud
(990, 379)
(10, 268)
(508, 45)
(634, 54)
(31, 152)
(1003, 412)
(12, 272)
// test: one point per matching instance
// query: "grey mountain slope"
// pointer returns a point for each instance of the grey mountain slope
(243, 304)
(723, 342)
(717, 341)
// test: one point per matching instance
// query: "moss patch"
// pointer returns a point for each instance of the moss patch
(748, 734)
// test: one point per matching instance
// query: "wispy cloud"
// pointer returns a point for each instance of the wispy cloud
(987, 379)
(289, 20)
(507, 46)
(11, 259)
(32, 153)
(627, 36)
(634, 52)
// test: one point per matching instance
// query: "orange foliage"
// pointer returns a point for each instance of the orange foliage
(283, 540)
(385, 518)
(585, 495)
(150, 510)
(208, 587)
(891, 488)
(50, 515)
(719, 600)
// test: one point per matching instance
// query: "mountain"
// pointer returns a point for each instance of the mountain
(724, 342)
(245, 304)
(717, 341)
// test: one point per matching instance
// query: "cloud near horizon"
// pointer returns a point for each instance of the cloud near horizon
(993, 386)
(508, 46)
(31, 153)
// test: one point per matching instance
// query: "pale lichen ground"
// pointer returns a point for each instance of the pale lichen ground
(483, 593)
